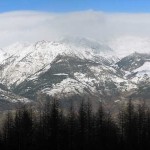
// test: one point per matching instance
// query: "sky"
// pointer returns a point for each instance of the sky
(130, 6)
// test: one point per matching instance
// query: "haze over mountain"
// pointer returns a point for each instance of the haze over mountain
(105, 27)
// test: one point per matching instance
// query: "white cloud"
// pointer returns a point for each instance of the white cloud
(33, 26)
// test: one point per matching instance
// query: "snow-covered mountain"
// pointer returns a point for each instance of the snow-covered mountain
(26, 59)
(73, 68)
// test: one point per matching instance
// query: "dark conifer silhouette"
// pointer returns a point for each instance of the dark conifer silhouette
(51, 128)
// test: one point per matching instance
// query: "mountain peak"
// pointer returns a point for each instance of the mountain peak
(87, 43)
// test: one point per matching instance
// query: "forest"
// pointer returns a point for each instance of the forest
(51, 128)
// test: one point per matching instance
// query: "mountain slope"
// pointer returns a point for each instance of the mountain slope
(26, 59)
(74, 69)
(69, 76)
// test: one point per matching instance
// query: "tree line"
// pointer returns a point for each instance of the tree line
(51, 128)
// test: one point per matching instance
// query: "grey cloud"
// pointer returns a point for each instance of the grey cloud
(33, 26)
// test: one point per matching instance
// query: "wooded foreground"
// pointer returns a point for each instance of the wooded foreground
(49, 128)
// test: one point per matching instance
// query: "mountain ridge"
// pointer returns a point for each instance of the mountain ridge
(66, 70)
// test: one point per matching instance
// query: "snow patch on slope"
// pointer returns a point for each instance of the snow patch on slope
(145, 69)
(10, 97)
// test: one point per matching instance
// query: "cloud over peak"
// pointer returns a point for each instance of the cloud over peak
(34, 26)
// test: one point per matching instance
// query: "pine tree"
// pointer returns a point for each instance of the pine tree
(72, 128)
(131, 131)
(82, 120)
(7, 131)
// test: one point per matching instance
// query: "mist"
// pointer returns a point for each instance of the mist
(30, 26)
